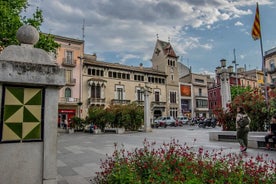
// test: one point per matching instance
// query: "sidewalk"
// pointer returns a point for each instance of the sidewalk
(79, 154)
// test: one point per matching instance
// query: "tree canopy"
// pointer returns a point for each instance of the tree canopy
(11, 20)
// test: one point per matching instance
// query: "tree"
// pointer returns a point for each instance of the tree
(238, 90)
(11, 21)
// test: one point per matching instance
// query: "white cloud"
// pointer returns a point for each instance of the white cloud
(128, 28)
(238, 23)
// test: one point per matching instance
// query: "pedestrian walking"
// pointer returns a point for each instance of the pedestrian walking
(65, 123)
(242, 127)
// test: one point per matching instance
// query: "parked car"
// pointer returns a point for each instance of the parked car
(208, 122)
(182, 120)
(156, 122)
(168, 121)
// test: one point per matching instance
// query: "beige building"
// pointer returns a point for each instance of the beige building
(270, 65)
(197, 100)
(106, 83)
(69, 56)
(253, 78)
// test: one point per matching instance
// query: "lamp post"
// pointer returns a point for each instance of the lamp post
(80, 86)
(224, 77)
(236, 64)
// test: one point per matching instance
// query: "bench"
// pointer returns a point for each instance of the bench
(114, 130)
(255, 139)
(258, 141)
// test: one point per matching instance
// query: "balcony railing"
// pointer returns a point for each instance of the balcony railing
(96, 101)
(69, 63)
(71, 82)
(68, 100)
(158, 104)
(118, 101)
(201, 96)
(139, 102)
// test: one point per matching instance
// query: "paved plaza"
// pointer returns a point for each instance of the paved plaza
(79, 153)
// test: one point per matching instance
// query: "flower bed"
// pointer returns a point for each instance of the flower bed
(176, 163)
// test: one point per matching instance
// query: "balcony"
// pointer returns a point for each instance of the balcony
(71, 82)
(201, 96)
(119, 102)
(139, 102)
(68, 100)
(69, 63)
(96, 101)
(158, 105)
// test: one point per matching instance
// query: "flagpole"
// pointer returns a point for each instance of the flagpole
(265, 72)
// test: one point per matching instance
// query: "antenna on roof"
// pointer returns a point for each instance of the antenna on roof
(83, 23)
(157, 36)
(169, 39)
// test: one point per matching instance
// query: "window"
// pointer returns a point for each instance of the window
(272, 65)
(89, 71)
(199, 92)
(119, 94)
(140, 95)
(69, 57)
(173, 112)
(201, 103)
(199, 80)
(172, 97)
(172, 77)
(68, 76)
(157, 96)
(67, 92)
(95, 91)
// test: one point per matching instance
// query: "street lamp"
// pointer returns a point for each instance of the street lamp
(223, 75)
(80, 86)
(236, 64)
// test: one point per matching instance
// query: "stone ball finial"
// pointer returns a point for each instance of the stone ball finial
(27, 34)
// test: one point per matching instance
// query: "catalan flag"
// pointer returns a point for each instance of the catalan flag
(256, 28)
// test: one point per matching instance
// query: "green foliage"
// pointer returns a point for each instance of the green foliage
(77, 123)
(11, 21)
(96, 115)
(175, 163)
(47, 42)
(132, 116)
(239, 90)
(117, 116)
(254, 105)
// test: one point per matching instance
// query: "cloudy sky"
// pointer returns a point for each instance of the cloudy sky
(201, 31)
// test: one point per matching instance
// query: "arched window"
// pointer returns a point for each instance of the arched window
(95, 91)
(67, 92)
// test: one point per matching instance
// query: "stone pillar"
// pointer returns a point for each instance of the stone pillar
(224, 78)
(29, 88)
(147, 125)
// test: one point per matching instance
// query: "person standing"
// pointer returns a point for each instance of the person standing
(271, 133)
(242, 132)
(65, 124)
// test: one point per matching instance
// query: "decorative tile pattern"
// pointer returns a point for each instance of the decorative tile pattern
(22, 114)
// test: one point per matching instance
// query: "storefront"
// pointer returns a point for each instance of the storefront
(65, 114)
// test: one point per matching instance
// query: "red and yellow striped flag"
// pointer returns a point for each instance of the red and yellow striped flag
(256, 28)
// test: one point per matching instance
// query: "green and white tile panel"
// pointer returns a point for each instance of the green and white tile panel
(22, 114)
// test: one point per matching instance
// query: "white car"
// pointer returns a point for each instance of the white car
(182, 120)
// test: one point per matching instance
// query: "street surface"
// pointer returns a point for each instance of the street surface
(79, 154)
